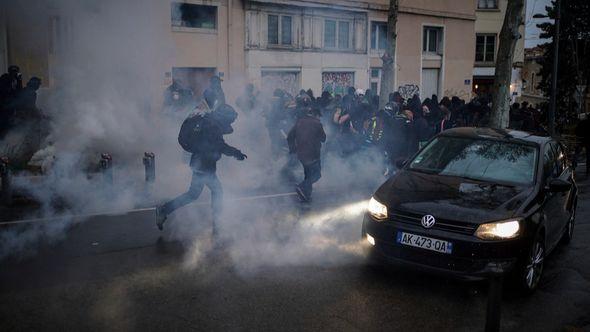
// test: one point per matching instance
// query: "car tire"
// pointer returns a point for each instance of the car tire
(569, 231)
(531, 268)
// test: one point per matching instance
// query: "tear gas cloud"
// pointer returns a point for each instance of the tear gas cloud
(108, 99)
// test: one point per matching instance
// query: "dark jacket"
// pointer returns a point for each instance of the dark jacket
(306, 138)
(211, 147)
(583, 132)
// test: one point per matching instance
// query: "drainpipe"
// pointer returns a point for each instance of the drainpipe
(229, 27)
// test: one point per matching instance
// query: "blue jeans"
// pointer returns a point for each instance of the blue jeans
(198, 181)
(313, 172)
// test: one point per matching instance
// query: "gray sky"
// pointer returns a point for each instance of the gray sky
(532, 32)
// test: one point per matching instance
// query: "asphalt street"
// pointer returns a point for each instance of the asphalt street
(280, 268)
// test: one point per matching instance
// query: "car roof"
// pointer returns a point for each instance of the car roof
(508, 135)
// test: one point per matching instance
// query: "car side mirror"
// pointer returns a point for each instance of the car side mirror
(558, 186)
(400, 163)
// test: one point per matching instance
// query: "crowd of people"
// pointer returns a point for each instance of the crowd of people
(304, 128)
(355, 122)
(18, 104)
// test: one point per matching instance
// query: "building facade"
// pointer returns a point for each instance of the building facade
(489, 20)
(325, 45)
(330, 45)
(531, 76)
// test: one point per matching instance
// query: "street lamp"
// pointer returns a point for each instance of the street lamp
(553, 102)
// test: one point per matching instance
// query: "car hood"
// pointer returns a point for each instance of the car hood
(452, 198)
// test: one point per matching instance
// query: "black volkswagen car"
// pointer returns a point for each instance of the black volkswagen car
(474, 202)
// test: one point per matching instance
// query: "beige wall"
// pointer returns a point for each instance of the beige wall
(30, 54)
(209, 48)
(491, 21)
(457, 20)
(226, 49)
(457, 57)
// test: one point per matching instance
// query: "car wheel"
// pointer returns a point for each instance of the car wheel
(532, 268)
(569, 232)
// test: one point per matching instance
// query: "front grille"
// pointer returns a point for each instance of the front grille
(415, 219)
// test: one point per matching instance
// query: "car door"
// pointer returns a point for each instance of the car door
(555, 203)
(565, 174)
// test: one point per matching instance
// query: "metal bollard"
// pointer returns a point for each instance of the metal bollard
(106, 167)
(494, 309)
(6, 175)
(149, 161)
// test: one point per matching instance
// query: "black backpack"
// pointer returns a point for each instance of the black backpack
(191, 132)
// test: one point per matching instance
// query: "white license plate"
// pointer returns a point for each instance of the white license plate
(424, 242)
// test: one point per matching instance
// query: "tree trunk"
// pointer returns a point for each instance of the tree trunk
(508, 38)
(388, 69)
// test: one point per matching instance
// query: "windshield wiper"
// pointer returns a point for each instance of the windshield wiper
(422, 170)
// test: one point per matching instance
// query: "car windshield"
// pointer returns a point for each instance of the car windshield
(478, 159)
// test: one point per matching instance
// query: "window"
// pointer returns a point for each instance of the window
(286, 30)
(485, 48)
(378, 35)
(343, 35)
(550, 162)
(375, 79)
(330, 34)
(337, 34)
(189, 15)
(487, 4)
(280, 29)
(273, 29)
(432, 40)
(375, 72)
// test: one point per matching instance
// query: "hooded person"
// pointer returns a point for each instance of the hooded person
(435, 111)
(349, 100)
(275, 116)
(177, 98)
(11, 83)
(27, 98)
(206, 135)
(214, 93)
(305, 139)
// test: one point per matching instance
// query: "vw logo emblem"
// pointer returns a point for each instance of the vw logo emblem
(428, 221)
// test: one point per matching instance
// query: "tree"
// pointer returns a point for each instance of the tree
(574, 51)
(388, 58)
(509, 35)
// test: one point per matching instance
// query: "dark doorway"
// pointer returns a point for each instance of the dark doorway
(193, 78)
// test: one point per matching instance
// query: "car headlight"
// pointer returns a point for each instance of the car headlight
(501, 230)
(377, 210)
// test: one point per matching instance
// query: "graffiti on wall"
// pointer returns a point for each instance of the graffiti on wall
(407, 91)
(337, 82)
(284, 80)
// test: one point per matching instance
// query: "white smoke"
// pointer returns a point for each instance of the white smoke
(108, 99)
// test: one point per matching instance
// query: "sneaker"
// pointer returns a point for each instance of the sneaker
(301, 194)
(160, 218)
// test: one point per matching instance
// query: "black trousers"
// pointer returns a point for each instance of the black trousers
(313, 172)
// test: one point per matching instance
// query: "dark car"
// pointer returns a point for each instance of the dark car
(476, 202)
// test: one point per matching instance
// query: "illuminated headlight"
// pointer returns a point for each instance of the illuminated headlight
(501, 230)
(371, 239)
(377, 210)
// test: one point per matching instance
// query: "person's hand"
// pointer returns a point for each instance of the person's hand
(241, 156)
